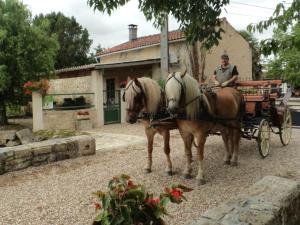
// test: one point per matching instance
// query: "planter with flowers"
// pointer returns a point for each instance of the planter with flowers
(127, 203)
(83, 115)
(41, 87)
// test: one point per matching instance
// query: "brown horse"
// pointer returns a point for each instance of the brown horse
(144, 96)
(204, 113)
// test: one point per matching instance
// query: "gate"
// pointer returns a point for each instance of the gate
(112, 106)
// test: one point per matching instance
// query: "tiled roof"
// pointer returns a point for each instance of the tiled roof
(143, 41)
(75, 68)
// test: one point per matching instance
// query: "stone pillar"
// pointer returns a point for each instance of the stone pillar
(97, 89)
(37, 111)
(123, 107)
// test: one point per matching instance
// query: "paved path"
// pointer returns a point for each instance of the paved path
(110, 141)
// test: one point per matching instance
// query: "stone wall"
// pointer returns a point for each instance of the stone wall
(64, 119)
(40, 153)
(271, 201)
(70, 85)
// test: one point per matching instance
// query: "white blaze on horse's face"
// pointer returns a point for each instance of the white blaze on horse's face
(173, 91)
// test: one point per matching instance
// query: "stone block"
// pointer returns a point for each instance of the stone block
(83, 124)
(25, 136)
(7, 134)
(3, 142)
(23, 151)
(17, 164)
(41, 148)
(271, 201)
(86, 145)
(12, 143)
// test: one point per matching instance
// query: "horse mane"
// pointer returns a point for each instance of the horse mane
(151, 90)
(191, 93)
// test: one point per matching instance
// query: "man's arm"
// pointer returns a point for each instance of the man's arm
(234, 77)
(214, 79)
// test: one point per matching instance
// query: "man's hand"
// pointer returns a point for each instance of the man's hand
(225, 84)
(217, 83)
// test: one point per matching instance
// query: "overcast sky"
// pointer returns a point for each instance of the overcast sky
(112, 30)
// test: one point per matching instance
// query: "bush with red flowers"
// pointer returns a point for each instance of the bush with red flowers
(41, 86)
(128, 203)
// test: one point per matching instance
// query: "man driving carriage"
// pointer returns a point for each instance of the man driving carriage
(226, 74)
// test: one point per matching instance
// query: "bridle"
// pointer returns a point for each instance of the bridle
(138, 94)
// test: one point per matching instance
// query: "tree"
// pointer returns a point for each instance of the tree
(286, 63)
(72, 37)
(199, 19)
(256, 53)
(283, 18)
(27, 52)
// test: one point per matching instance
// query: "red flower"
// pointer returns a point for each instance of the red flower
(176, 193)
(97, 205)
(153, 201)
(28, 84)
(130, 184)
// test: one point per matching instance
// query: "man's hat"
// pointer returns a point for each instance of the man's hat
(224, 56)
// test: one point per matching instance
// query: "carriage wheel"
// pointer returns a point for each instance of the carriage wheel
(286, 127)
(263, 140)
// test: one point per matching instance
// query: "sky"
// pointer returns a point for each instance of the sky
(112, 30)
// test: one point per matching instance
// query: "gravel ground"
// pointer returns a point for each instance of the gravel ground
(60, 193)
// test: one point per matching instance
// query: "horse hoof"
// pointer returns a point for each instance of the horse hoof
(227, 162)
(187, 176)
(148, 171)
(201, 182)
(169, 173)
(234, 164)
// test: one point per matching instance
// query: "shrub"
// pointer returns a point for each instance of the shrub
(128, 203)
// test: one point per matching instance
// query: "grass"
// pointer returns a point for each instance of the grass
(49, 134)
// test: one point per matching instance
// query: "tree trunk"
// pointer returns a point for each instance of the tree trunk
(3, 117)
(202, 65)
(194, 60)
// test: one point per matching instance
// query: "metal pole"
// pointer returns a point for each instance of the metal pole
(164, 48)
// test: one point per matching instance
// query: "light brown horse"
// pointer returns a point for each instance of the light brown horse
(144, 96)
(202, 114)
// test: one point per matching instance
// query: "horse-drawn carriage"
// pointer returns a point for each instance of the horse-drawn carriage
(262, 115)
(248, 111)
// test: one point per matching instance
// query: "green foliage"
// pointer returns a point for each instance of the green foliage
(286, 64)
(27, 51)
(256, 53)
(162, 83)
(283, 18)
(127, 203)
(199, 19)
(72, 37)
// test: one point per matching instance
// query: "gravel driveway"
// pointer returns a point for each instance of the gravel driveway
(60, 193)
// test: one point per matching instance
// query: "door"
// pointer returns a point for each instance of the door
(112, 104)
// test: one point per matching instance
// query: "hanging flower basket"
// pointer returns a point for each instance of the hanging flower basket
(83, 115)
(41, 86)
(130, 204)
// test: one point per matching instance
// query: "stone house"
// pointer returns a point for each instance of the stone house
(100, 84)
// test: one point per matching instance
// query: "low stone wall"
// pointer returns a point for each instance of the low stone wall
(271, 201)
(40, 153)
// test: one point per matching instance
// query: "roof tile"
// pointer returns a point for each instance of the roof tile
(143, 41)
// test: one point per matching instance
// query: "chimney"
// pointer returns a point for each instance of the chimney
(132, 32)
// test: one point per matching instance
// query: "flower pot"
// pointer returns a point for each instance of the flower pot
(83, 117)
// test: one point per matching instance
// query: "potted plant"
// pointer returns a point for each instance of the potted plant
(128, 203)
(41, 86)
(83, 115)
